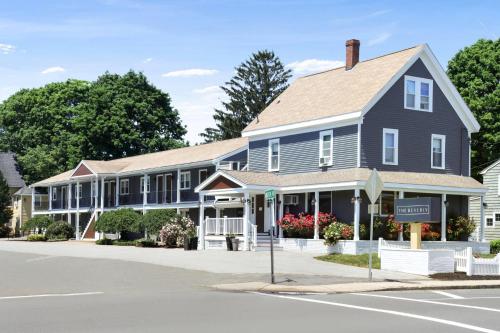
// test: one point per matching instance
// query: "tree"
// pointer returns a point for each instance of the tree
(155, 219)
(5, 202)
(257, 82)
(53, 127)
(475, 72)
(39, 222)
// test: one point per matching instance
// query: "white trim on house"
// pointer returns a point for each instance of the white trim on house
(418, 93)
(395, 132)
(491, 219)
(270, 154)
(491, 166)
(148, 184)
(123, 187)
(358, 161)
(184, 183)
(322, 135)
(443, 151)
(79, 191)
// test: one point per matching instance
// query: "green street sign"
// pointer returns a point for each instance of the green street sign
(270, 194)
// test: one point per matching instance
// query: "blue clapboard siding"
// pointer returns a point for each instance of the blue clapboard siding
(300, 152)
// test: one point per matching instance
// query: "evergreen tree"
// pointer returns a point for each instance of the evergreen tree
(257, 82)
(475, 72)
(5, 202)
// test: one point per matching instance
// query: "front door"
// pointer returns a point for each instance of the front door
(259, 212)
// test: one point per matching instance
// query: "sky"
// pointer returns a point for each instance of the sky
(190, 48)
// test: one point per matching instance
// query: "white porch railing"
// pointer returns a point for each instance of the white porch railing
(224, 226)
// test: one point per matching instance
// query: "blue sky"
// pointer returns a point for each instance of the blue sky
(189, 48)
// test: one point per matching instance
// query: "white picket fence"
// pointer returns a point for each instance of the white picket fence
(464, 260)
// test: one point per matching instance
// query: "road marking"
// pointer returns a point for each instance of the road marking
(444, 293)
(396, 313)
(52, 295)
(40, 258)
(430, 302)
(465, 298)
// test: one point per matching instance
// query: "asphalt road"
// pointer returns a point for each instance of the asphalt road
(61, 294)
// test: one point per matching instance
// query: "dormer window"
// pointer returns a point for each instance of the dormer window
(325, 148)
(418, 94)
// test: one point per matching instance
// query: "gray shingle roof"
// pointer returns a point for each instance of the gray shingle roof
(10, 170)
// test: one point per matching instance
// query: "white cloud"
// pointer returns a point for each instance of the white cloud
(313, 65)
(55, 69)
(208, 90)
(147, 60)
(7, 48)
(191, 72)
(379, 39)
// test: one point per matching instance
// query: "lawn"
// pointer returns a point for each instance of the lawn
(352, 260)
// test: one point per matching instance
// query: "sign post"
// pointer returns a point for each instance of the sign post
(373, 188)
(270, 197)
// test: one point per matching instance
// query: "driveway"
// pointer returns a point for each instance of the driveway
(213, 261)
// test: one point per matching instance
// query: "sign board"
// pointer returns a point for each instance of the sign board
(423, 210)
(374, 186)
(270, 194)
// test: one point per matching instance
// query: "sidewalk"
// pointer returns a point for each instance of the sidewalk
(358, 287)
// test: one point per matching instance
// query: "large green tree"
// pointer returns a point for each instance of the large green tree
(53, 127)
(475, 71)
(257, 82)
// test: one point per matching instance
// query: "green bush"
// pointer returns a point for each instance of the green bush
(60, 230)
(39, 222)
(145, 243)
(118, 221)
(37, 238)
(122, 242)
(104, 241)
(155, 219)
(5, 230)
(460, 228)
(495, 246)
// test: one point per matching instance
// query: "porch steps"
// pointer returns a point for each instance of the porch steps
(264, 243)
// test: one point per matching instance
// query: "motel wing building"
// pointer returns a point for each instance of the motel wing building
(315, 145)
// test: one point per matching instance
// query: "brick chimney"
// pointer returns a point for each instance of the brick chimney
(351, 53)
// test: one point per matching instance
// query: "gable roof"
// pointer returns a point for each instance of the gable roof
(491, 166)
(209, 152)
(339, 94)
(10, 170)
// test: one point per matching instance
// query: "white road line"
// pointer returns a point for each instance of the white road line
(465, 298)
(40, 258)
(430, 302)
(396, 313)
(444, 293)
(52, 295)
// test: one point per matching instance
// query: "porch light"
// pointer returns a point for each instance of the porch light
(446, 203)
(485, 205)
(313, 201)
(243, 200)
(354, 199)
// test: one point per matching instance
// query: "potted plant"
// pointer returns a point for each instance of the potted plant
(229, 243)
(235, 243)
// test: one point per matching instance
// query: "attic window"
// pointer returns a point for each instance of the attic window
(418, 93)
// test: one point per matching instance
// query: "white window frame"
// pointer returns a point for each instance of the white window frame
(495, 221)
(395, 132)
(443, 151)
(322, 134)
(199, 175)
(492, 217)
(270, 144)
(124, 181)
(54, 193)
(418, 81)
(79, 191)
(148, 184)
(183, 182)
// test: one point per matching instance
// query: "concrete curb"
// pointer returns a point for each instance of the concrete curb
(357, 286)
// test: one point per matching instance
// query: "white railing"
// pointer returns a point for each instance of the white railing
(383, 244)
(463, 260)
(224, 226)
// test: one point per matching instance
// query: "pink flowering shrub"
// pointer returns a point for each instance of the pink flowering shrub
(302, 226)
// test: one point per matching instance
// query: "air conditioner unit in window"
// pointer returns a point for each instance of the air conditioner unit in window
(291, 200)
(324, 161)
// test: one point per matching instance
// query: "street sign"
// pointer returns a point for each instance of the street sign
(270, 194)
(374, 186)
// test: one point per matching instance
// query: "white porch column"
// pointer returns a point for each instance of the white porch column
(217, 220)
(443, 217)
(96, 197)
(102, 195)
(69, 203)
(50, 197)
(401, 195)
(480, 236)
(117, 191)
(280, 212)
(201, 240)
(32, 200)
(179, 186)
(356, 214)
(77, 217)
(306, 203)
(246, 222)
(316, 215)
(144, 193)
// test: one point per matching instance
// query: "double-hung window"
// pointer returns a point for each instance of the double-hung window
(148, 184)
(124, 186)
(325, 148)
(185, 180)
(203, 175)
(274, 155)
(418, 93)
(438, 150)
(390, 142)
(495, 218)
(79, 191)
(54, 193)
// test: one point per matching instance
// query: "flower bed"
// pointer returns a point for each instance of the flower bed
(302, 226)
